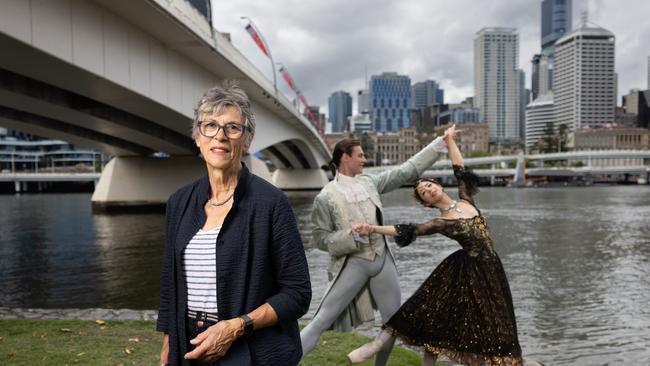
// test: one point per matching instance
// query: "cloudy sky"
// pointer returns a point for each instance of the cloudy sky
(327, 45)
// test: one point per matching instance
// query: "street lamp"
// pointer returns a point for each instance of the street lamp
(261, 43)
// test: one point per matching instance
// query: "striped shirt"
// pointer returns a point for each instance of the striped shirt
(200, 267)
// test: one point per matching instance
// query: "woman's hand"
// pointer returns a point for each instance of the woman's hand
(450, 134)
(362, 229)
(164, 351)
(214, 342)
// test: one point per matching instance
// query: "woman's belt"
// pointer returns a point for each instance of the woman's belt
(203, 316)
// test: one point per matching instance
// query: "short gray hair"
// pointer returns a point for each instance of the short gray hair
(216, 99)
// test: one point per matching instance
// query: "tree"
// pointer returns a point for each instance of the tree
(368, 146)
(548, 143)
(563, 138)
(478, 154)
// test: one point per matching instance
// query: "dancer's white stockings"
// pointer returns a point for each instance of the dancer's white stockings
(371, 348)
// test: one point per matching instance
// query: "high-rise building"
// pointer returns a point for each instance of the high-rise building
(556, 21)
(584, 80)
(321, 121)
(360, 123)
(340, 109)
(427, 93)
(534, 77)
(423, 93)
(542, 75)
(465, 115)
(524, 99)
(539, 115)
(363, 101)
(648, 72)
(390, 99)
(497, 82)
(636, 105)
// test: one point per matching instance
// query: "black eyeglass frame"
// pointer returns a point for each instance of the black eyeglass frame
(243, 126)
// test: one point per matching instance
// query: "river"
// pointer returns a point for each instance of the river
(578, 261)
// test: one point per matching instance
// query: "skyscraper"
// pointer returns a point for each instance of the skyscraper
(390, 99)
(542, 75)
(340, 109)
(497, 82)
(584, 79)
(363, 101)
(534, 77)
(556, 21)
(539, 114)
(427, 93)
(524, 99)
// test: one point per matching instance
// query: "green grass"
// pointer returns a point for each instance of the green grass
(83, 342)
(333, 346)
(78, 342)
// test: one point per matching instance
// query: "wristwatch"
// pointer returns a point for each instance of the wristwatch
(248, 324)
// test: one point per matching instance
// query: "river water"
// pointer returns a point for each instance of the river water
(578, 261)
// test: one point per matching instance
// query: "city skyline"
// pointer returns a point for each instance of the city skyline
(369, 39)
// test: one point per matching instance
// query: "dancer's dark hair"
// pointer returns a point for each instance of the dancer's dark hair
(415, 189)
(344, 146)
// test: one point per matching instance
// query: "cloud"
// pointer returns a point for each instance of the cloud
(328, 45)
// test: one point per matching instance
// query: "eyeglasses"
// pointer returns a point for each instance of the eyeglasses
(231, 130)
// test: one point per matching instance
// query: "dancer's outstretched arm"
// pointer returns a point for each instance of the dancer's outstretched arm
(366, 229)
(454, 153)
(383, 230)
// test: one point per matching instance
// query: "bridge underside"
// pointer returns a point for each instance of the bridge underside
(78, 100)
(49, 97)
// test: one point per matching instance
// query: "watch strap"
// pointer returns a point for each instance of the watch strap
(248, 324)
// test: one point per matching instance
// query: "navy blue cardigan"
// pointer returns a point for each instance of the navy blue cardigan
(260, 258)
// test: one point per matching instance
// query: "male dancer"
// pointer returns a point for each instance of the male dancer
(360, 267)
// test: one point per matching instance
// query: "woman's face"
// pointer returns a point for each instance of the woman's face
(429, 192)
(219, 151)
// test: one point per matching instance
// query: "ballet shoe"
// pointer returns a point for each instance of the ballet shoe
(365, 352)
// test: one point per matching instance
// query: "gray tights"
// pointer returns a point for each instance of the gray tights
(381, 275)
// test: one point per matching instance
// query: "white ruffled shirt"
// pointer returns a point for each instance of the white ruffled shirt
(360, 208)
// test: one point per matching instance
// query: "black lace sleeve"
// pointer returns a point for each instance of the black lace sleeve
(434, 226)
(467, 183)
(405, 234)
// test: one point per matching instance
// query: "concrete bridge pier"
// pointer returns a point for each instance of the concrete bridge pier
(299, 179)
(136, 182)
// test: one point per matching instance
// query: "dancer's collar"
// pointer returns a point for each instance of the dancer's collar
(351, 188)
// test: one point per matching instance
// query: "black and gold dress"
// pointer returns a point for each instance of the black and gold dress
(464, 309)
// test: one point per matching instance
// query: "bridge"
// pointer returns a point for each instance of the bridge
(587, 155)
(441, 168)
(123, 77)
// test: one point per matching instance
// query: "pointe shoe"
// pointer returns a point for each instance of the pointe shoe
(365, 352)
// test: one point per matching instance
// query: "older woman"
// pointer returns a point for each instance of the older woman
(235, 277)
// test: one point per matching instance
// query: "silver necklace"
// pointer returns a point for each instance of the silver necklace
(451, 207)
(220, 203)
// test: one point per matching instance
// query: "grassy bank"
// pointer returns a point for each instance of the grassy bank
(112, 343)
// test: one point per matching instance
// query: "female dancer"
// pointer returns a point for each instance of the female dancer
(464, 309)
